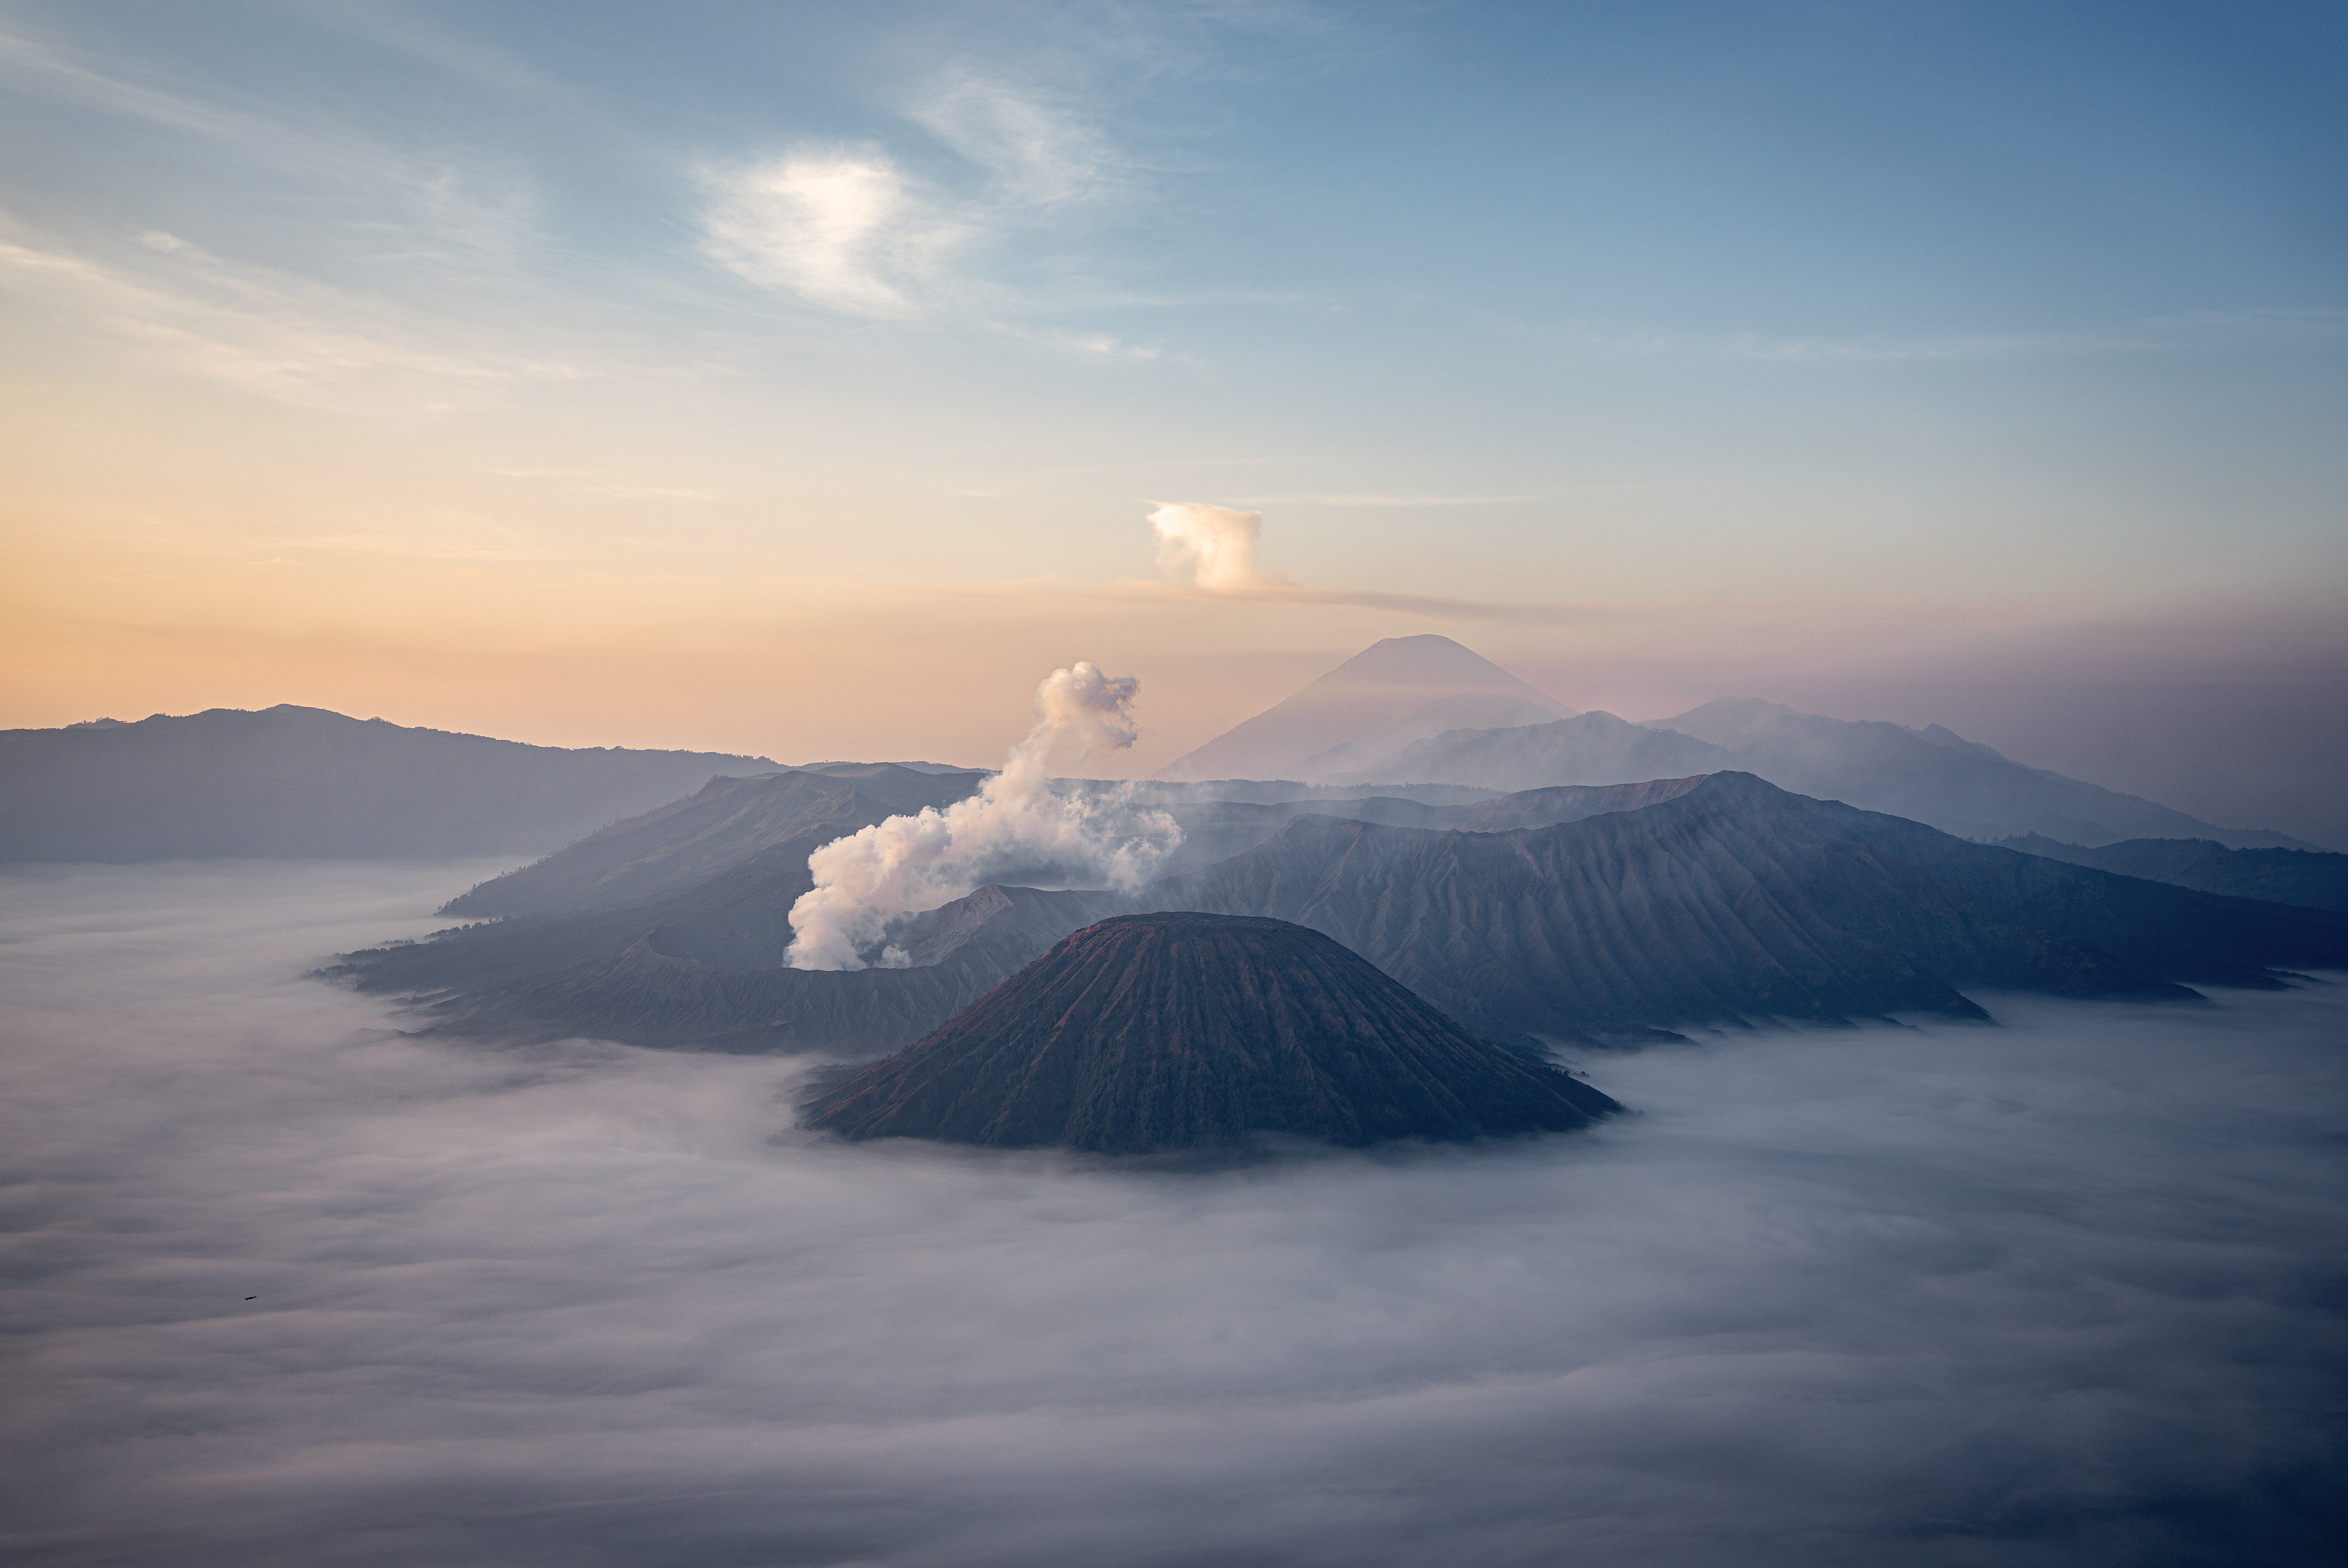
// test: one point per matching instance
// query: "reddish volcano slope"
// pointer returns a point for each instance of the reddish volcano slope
(1152, 1032)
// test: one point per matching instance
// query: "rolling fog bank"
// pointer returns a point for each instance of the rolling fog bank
(2073, 1291)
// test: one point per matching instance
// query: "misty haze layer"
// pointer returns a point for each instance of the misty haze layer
(2066, 1292)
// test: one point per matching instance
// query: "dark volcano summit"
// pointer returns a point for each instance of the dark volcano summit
(1155, 1032)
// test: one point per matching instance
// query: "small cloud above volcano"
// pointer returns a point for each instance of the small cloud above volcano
(1216, 544)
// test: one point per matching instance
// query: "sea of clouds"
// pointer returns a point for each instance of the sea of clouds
(2074, 1291)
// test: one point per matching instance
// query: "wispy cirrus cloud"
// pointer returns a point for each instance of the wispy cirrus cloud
(400, 236)
(1107, 345)
(1036, 153)
(1420, 606)
(280, 335)
(2154, 335)
(414, 207)
(1375, 499)
(852, 228)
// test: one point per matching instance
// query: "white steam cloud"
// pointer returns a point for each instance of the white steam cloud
(1016, 825)
(1215, 543)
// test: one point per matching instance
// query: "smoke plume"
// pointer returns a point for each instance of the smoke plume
(1216, 544)
(1016, 825)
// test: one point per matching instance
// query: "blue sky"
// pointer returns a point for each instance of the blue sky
(419, 358)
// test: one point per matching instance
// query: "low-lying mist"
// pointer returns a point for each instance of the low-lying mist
(2066, 1292)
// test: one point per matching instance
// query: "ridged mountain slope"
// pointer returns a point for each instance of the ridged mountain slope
(587, 904)
(707, 833)
(1562, 803)
(1734, 901)
(1180, 1031)
(637, 991)
(1724, 899)
(1935, 776)
(1587, 748)
(2313, 879)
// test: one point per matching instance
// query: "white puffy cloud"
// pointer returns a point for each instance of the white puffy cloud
(1216, 544)
(840, 228)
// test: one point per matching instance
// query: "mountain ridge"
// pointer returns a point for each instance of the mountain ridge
(2311, 879)
(1719, 901)
(725, 822)
(1931, 775)
(291, 782)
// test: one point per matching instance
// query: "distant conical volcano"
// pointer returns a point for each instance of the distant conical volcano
(1386, 696)
(1153, 1032)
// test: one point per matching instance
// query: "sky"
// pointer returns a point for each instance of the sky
(290, 1286)
(799, 379)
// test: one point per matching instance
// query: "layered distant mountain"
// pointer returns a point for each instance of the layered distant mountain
(1180, 1031)
(1587, 748)
(1936, 775)
(1571, 913)
(2314, 879)
(300, 782)
(1366, 710)
(1929, 775)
